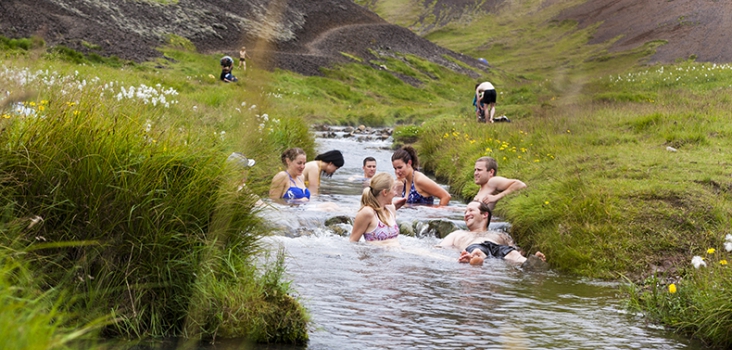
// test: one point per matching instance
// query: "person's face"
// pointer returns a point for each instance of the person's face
(297, 165)
(401, 169)
(473, 217)
(392, 192)
(369, 170)
(330, 168)
(481, 174)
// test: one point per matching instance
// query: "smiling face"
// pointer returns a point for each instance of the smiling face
(474, 219)
(296, 166)
(401, 169)
(481, 174)
(369, 170)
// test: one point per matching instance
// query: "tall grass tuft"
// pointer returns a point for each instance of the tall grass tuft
(149, 202)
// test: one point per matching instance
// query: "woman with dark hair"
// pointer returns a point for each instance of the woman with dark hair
(324, 164)
(418, 188)
(376, 219)
(290, 184)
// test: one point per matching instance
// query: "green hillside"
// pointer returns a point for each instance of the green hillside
(627, 164)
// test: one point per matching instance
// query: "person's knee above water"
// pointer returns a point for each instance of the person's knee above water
(290, 184)
(325, 164)
(478, 243)
(418, 188)
(492, 188)
(376, 218)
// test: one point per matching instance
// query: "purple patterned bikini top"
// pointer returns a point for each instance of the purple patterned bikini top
(382, 232)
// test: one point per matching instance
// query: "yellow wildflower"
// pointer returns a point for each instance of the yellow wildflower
(546, 202)
(41, 108)
(723, 262)
(6, 116)
(76, 112)
(488, 150)
(672, 288)
(710, 251)
(32, 103)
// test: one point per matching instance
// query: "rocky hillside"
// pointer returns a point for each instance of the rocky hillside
(702, 28)
(296, 35)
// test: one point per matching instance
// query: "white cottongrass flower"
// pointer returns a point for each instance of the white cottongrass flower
(698, 261)
(728, 246)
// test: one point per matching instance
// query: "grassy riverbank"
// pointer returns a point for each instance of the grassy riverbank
(626, 165)
(118, 200)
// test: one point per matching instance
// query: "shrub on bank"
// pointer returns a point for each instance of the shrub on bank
(137, 207)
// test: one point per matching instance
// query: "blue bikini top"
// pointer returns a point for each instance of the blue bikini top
(295, 192)
(416, 198)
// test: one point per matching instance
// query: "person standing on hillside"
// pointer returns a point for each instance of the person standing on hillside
(485, 102)
(243, 58)
(492, 187)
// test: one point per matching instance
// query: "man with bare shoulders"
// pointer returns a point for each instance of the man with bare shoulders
(478, 243)
(492, 187)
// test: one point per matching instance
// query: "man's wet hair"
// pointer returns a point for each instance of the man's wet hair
(484, 208)
(368, 159)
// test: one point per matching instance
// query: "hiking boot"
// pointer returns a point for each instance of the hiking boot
(534, 264)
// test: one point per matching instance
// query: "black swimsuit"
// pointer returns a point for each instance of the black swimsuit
(491, 249)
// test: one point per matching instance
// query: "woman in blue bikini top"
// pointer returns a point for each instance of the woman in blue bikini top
(418, 188)
(376, 219)
(289, 184)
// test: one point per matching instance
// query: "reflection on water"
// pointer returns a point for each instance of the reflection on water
(417, 296)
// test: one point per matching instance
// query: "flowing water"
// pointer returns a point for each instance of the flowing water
(415, 296)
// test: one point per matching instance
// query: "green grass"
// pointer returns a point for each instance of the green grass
(626, 164)
(131, 183)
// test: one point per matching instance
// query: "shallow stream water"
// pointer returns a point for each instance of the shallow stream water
(417, 296)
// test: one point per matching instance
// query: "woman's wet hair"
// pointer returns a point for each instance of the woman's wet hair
(406, 153)
(335, 157)
(369, 197)
(291, 154)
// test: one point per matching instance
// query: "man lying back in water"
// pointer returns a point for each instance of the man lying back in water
(478, 243)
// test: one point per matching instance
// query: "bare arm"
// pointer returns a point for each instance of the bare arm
(361, 223)
(432, 188)
(279, 186)
(499, 188)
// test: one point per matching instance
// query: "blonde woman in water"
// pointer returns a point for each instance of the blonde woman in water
(376, 219)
